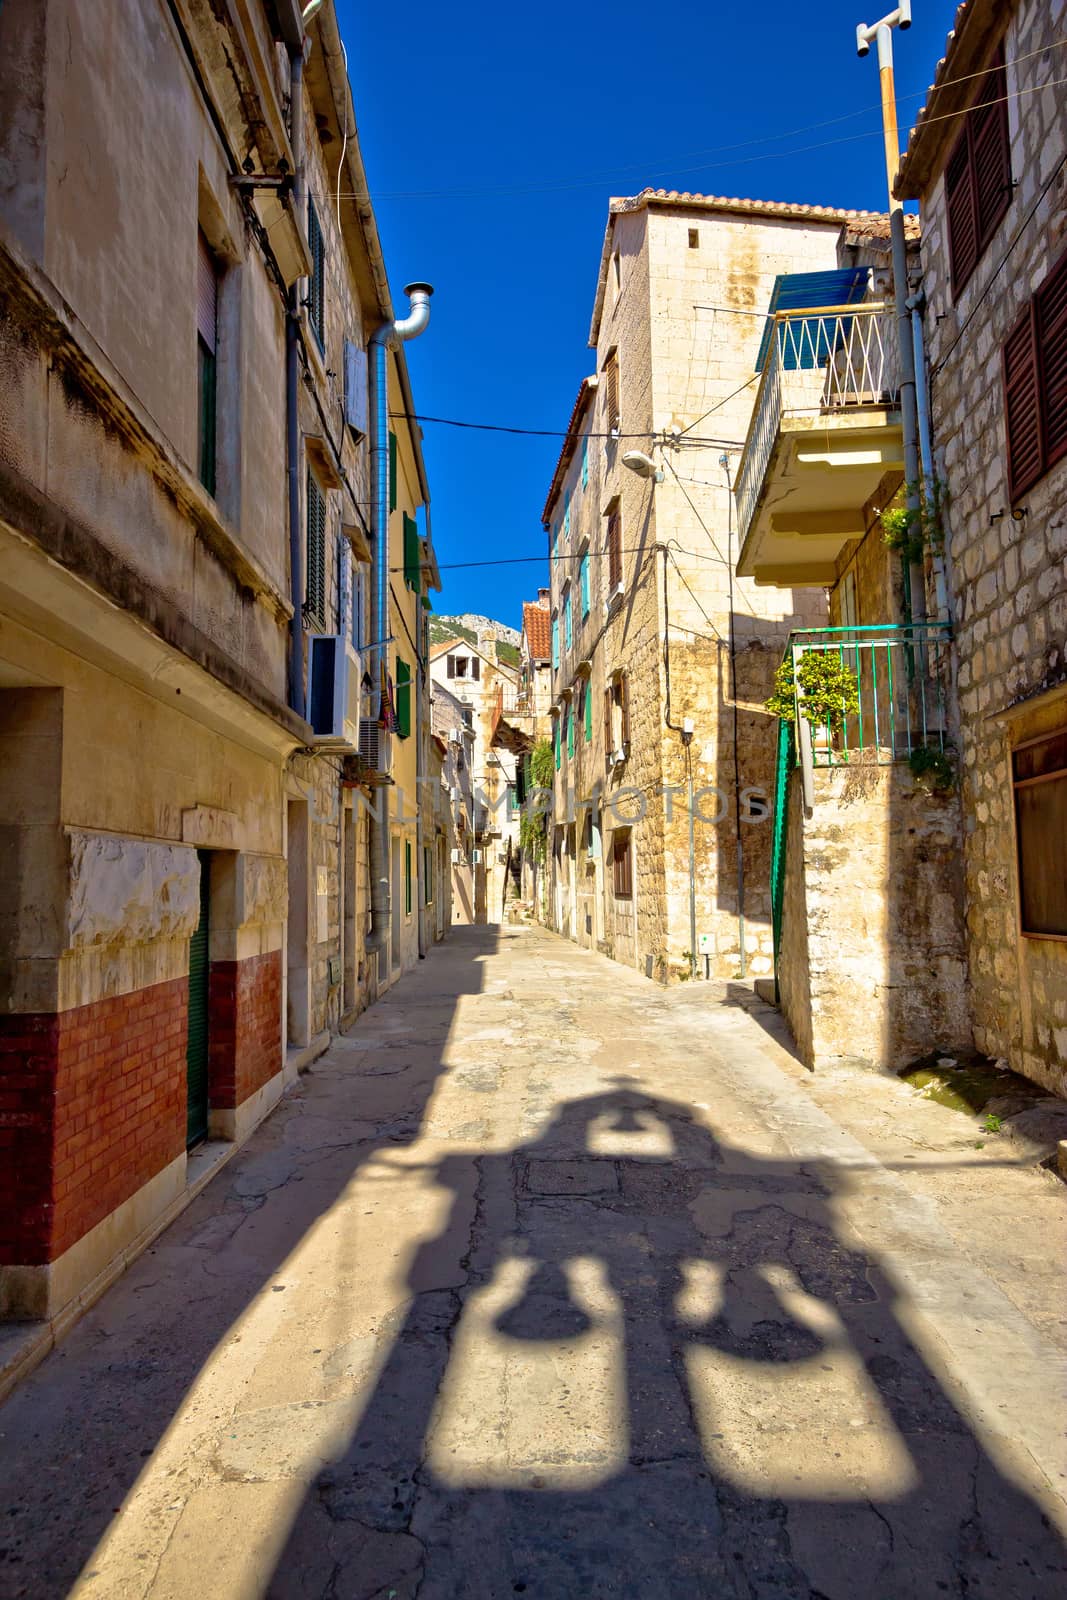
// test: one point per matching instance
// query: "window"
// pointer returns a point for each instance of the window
(569, 719)
(556, 746)
(317, 281)
(567, 515)
(616, 719)
(978, 176)
(1035, 384)
(587, 709)
(622, 870)
(614, 544)
(427, 873)
(568, 629)
(359, 605)
(694, 238)
(585, 463)
(403, 698)
(1039, 779)
(392, 472)
(616, 276)
(462, 667)
(511, 799)
(412, 554)
(555, 643)
(207, 327)
(611, 393)
(315, 554)
(583, 582)
(407, 877)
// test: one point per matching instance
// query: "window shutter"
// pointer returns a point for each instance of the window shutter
(476, 668)
(315, 582)
(356, 398)
(556, 741)
(1052, 334)
(568, 634)
(392, 471)
(407, 876)
(412, 555)
(207, 294)
(583, 578)
(608, 738)
(585, 463)
(611, 393)
(614, 552)
(403, 698)
(555, 642)
(317, 282)
(451, 667)
(624, 710)
(1021, 404)
(991, 154)
(962, 222)
(587, 706)
(570, 731)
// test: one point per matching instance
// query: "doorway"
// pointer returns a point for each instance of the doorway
(397, 891)
(196, 1046)
(296, 937)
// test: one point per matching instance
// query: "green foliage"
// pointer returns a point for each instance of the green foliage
(827, 686)
(933, 769)
(533, 828)
(507, 653)
(992, 1124)
(542, 765)
(910, 529)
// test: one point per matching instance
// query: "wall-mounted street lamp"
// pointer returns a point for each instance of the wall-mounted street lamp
(644, 466)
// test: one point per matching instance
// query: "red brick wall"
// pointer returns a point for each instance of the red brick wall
(244, 1043)
(92, 1105)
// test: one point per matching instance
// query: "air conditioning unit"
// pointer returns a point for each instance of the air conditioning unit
(618, 756)
(355, 374)
(477, 858)
(456, 736)
(458, 858)
(334, 676)
(615, 594)
(375, 745)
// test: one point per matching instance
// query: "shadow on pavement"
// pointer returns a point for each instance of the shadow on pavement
(666, 1375)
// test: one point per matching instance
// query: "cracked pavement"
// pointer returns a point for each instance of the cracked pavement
(547, 1281)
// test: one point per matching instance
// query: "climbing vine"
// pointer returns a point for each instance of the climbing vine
(533, 828)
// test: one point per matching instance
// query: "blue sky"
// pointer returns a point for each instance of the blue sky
(493, 138)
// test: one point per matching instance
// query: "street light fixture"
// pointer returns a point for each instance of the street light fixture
(643, 465)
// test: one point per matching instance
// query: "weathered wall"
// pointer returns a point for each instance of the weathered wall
(872, 968)
(1009, 578)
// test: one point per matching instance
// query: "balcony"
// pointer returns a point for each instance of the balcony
(511, 719)
(826, 428)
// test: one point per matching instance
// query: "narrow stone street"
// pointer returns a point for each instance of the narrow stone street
(548, 1281)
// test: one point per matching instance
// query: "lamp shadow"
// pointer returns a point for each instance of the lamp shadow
(668, 1373)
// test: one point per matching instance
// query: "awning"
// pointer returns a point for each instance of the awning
(795, 291)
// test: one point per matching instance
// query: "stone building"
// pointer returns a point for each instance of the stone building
(474, 677)
(986, 162)
(185, 579)
(662, 656)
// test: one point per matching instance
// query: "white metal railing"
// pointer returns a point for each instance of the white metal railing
(826, 359)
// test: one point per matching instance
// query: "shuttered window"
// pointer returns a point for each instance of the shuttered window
(1035, 384)
(427, 873)
(583, 582)
(317, 281)
(403, 698)
(569, 715)
(567, 515)
(1039, 779)
(978, 176)
(622, 871)
(614, 552)
(587, 708)
(622, 695)
(207, 324)
(608, 728)
(555, 643)
(585, 463)
(412, 555)
(315, 577)
(568, 629)
(611, 393)
(556, 741)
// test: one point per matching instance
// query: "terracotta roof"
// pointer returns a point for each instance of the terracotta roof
(978, 27)
(681, 199)
(875, 229)
(586, 390)
(537, 626)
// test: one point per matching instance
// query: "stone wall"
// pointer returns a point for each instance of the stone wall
(1008, 577)
(872, 968)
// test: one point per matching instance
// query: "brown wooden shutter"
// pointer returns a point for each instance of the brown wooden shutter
(611, 393)
(1052, 339)
(991, 153)
(476, 669)
(608, 744)
(962, 222)
(624, 710)
(1022, 413)
(451, 668)
(207, 294)
(614, 551)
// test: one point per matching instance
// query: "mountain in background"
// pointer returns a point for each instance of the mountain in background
(468, 625)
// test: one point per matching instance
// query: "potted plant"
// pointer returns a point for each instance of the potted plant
(825, 688)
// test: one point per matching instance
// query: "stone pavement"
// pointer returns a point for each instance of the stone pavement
(548, 1281)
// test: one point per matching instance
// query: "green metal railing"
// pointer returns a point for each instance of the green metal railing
(901, 673)
(785, 761)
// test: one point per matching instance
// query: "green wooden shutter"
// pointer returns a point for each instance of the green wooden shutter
(588, 711)
(403, 698)
(317, 283)
(315, 583)
(583, 576)
(407, 876)
(556, 741)
(392, 471)
(570, 732)
(412, 556)
(427, 873)
(196, 1044)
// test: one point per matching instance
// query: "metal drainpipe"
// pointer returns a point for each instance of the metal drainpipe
(292, 411)
(916, 305)
(382, 340)
(422, 782)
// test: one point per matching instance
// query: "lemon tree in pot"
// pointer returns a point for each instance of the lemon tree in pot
(825, 686)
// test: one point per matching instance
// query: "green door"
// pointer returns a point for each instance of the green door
(196, 1046)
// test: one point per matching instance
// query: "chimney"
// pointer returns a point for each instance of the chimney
(544, 597)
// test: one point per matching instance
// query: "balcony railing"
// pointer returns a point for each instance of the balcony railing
(901, 674)
(819, 361)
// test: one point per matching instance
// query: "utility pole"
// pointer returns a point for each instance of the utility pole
(881, 34)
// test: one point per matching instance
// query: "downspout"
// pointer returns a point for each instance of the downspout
(422, 779)
(292, 410)
(916, 306)
(685, 728)
(382, 340)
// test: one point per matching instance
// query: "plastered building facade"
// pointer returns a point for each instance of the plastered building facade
(183, 915)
